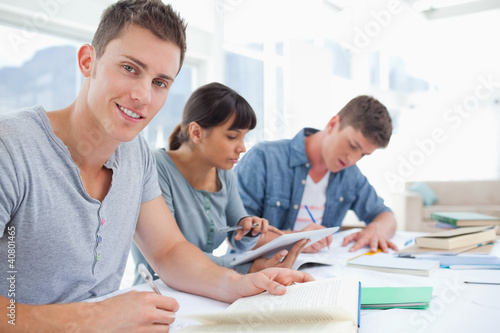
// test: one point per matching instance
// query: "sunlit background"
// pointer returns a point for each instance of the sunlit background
(434, 64)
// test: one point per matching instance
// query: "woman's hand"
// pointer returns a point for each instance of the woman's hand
(316, 247)
(284, 258)
(255, 225)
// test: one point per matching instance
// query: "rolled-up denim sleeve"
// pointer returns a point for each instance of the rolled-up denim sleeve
(368, 204)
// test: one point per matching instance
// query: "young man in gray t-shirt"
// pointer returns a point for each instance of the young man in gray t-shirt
(78, 183)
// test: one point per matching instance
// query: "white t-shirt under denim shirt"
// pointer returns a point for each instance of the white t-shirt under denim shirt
(314, 198)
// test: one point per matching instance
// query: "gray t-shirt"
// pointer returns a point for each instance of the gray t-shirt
(200, 214)
(58, 244)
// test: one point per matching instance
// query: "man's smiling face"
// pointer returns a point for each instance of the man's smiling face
(130, 82)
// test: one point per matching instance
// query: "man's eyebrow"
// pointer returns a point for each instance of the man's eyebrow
(361, 148)
(145, 67)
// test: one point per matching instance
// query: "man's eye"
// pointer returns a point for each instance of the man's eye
(160, 84)
(129, 68)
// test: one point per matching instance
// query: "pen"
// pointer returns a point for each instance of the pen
(312, 218)
(475, 282)
(146, 275)
(311, 215)
(238, 227)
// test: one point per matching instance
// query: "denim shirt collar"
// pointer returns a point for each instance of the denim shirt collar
(298, 154)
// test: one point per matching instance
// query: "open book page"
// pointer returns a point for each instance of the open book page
(310, 259)
(318, 301)
(316, 327)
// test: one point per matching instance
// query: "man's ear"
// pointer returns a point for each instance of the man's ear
(86, 59)
(195, 132)
(335, 121)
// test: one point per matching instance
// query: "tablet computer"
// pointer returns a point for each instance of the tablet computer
(286, 241)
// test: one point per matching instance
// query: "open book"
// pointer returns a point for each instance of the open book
(330, 305)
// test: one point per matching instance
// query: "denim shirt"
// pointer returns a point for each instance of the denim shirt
(272, 176)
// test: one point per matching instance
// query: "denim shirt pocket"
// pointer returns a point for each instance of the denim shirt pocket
(340, 204)
(276, 210)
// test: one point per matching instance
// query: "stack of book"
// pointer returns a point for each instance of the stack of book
(456, 238)
(460, 248)
(463, 219)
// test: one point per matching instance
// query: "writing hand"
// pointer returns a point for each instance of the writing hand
(138, 311)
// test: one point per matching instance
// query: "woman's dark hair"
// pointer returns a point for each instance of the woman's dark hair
(212, 105)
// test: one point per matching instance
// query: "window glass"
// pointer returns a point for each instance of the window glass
(375, 69)
(341, 59)
(44, 72)
(400, 80)
(246, 76)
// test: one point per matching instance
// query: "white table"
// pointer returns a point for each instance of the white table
(455, 306)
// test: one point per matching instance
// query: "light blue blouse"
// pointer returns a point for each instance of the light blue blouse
(200, 214)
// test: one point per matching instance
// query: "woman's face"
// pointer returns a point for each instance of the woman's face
(222, 146)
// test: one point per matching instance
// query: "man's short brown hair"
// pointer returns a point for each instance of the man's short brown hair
(153, 15)
(367, 114)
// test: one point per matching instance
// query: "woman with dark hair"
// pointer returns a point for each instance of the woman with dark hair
(198, 184)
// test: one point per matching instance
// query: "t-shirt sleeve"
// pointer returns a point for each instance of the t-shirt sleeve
(9, 189)
(164, 179)
(151, 188)
(235, 210)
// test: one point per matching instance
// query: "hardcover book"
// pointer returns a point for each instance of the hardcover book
(465, 219)
(455, 238)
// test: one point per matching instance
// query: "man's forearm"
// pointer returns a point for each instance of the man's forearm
(385, 223)
(73, 317)
(188, 269)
